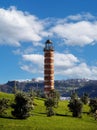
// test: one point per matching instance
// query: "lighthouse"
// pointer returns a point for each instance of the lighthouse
(48, 67)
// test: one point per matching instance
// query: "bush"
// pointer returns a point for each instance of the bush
(49, 103)
(93, 105)
(74, 95)
(52, 102)
(85, 98)
(54, 94)
(22, 106)
(50, 111)
(75, 107)
(3, 105)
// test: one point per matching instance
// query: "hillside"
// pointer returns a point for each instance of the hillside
(65, 87)
(39, 121)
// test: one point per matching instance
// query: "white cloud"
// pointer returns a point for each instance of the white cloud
(81, 71)
(39, 78)
(80, 33)
(22, 51)
(32, 68)
(35, 63)
(35, 58)
(78, 17)
(17, 26)
(65, 60)
(66, 65)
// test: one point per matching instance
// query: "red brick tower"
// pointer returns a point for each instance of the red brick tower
(48, 67)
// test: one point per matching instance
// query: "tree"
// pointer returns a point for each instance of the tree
(85, 98)
(22, 106)
(93, 105)
(54, 94)
(32, 94)
(74, 95)
(3, 105)
(51, 102)
(75, 106)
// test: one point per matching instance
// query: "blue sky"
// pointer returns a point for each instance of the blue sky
(25, 26)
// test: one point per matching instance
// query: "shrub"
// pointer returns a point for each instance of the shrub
(75, 107)
(22, 106)
(49, 103)
(93, 105)
(54, 94)
(3, 105)
(85, 98)
(74, 95)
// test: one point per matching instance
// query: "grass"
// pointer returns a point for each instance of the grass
(39, 121)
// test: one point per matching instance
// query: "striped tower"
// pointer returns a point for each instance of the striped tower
(48, 67)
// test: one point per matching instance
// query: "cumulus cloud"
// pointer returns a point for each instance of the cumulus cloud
(79, 17)
(81, 70)
(80, 33)
(32, 68)
(35, 58)
(18, 26)
(35, 63)
(66, 65)
(65, 60)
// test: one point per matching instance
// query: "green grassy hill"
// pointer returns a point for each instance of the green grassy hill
(39, 121)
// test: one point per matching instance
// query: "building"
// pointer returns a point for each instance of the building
(48, 67)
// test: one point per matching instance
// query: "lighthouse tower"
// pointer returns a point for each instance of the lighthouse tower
(48, 67)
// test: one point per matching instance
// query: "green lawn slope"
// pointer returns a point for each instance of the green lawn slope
(39, 121)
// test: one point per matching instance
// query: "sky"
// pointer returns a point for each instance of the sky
(25, 25)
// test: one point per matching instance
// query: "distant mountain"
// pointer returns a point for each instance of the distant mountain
(65, 87)
(22, 85)
(90, 88)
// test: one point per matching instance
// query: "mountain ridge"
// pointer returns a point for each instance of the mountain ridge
(65, 87)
